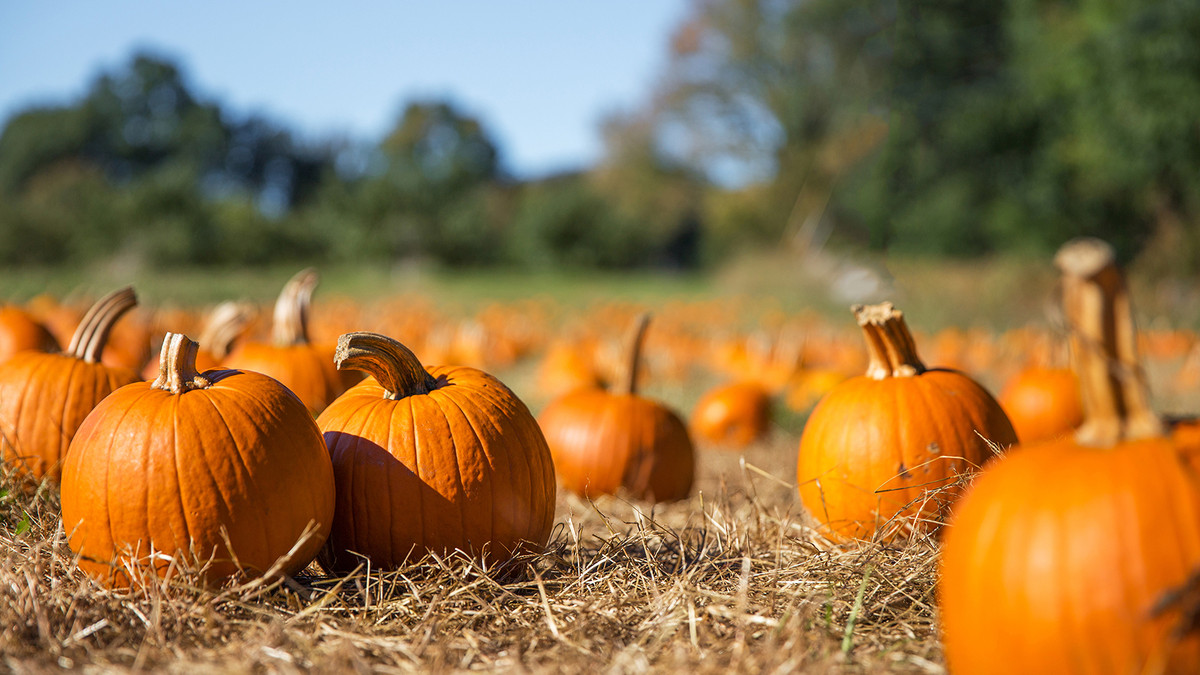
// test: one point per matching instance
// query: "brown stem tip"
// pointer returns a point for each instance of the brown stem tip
(177, 366)
(392, 364)
(890, 345)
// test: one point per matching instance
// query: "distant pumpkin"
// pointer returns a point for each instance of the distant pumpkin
(604, 441)
(20, 331)
(291, 357)
(1042, 403)
(734, 414)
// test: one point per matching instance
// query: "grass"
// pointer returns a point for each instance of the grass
(992, 293)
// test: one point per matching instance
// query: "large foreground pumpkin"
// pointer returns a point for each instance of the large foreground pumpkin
(438, 459)
(225, 470)
(1081, 554)
(603, 441)
(877, 446)
(44, 397)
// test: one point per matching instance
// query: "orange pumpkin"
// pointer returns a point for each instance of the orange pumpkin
(1042, 403)
(603, 441)
(431, 459)
(734, 414)
(290, 356)
(20, 332)
(877, 446)
(44, 397)
(1081, 554)
(225, 470)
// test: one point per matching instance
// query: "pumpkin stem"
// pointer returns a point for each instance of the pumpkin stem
(890, 345)
(225, 323)
(634, 362)
(290, 322)
(91, 335)
(177, 366)
(392, 364)
(1116, 398)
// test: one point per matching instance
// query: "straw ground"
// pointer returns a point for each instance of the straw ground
(732, 579)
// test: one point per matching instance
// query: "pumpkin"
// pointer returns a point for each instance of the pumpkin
(603, 441)
(290, 356)
(1081, 554)
(734, 414)
(881, 453)
(1042, 403)
(225, 470)
(438, 459)
(20, 331)
(44, 397)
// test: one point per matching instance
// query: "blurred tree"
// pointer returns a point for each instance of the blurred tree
(759, 90)
(563, 222)
(434, 163)
(644, 186)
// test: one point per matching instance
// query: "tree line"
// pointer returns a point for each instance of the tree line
(947, 127)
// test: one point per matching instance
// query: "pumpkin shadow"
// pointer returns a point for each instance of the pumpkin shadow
(387, 517)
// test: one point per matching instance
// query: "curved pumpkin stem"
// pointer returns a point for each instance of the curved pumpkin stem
(290, 322)
(890, 345)
(91, 335)
(177, 366)
(634, 361)
(392, 364)
(1116, 398)
(225, 323)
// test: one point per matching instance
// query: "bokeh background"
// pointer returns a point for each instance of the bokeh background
(674, 135)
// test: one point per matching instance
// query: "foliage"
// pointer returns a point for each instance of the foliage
(930, 128)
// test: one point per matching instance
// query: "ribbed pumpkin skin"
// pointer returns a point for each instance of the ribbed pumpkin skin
(151, 470)
(1042, 403)
(464, 467)
(20, 332)
(872, 448)
(734, 414)
(1057, 556)
(43, 400)
(601, 441)
(305, 369)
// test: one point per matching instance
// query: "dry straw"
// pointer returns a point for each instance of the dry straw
(733, 579)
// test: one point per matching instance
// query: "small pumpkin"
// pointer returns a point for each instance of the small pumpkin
(225, 470)
(20, 331)
(291, 357)
(734, 414)
(1081, 554)
(603, 441)
(1042, 403)
(44, 397)
(877, 445)
(438, 459)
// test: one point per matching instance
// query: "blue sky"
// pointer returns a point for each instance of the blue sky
(540, 75)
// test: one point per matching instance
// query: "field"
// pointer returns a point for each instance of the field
(734, 578)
